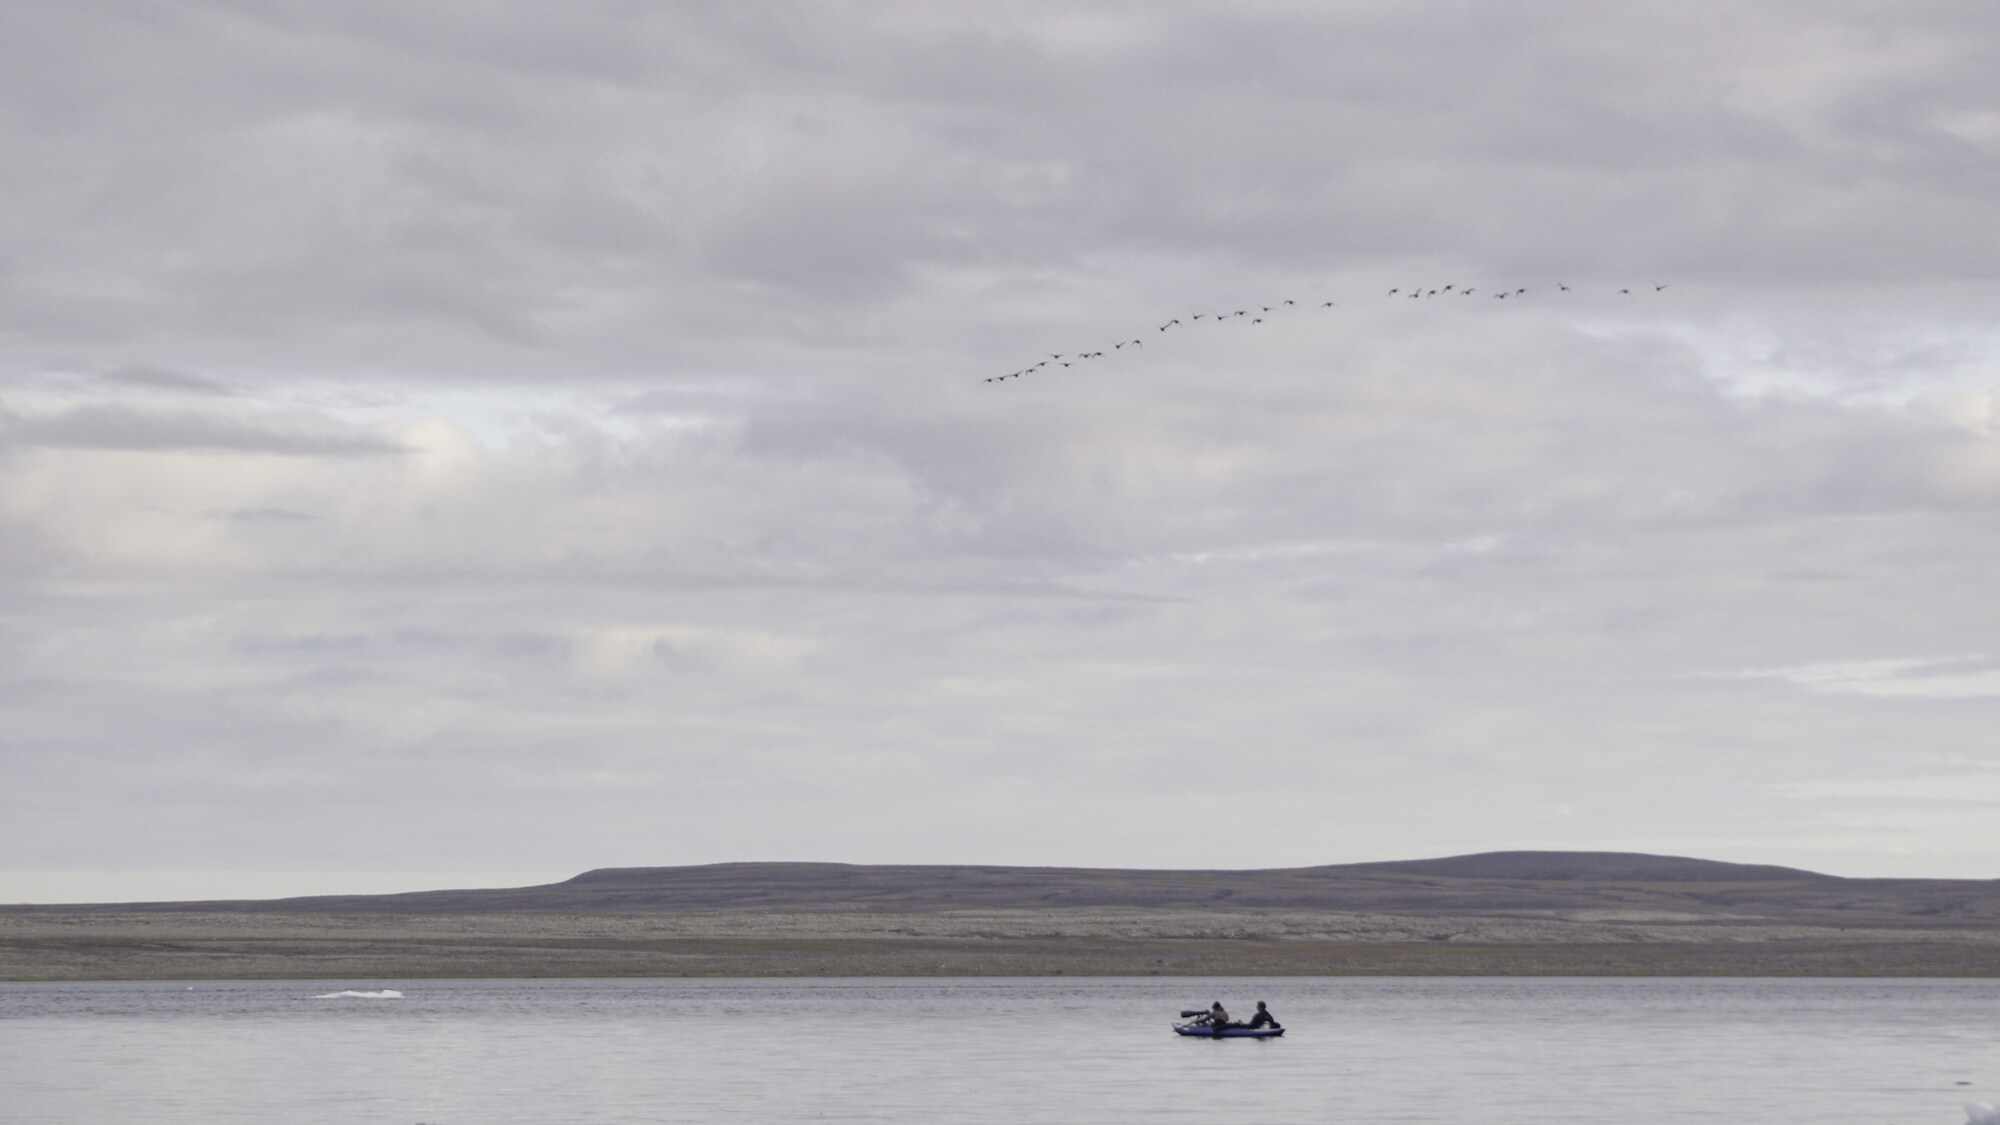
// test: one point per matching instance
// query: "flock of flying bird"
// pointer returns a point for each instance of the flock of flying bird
(1256, 314)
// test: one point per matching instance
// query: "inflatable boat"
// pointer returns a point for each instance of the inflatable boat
(1203, 1031)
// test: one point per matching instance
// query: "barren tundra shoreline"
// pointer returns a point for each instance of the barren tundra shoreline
(1539, 914)
(197, 946)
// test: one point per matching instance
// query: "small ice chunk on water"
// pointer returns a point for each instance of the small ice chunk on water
(1979, 1113)
(378, 994)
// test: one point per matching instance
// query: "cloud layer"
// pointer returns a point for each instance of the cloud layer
(497, 439)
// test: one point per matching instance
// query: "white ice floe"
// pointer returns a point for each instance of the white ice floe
(378, 994)
(1979, 1113)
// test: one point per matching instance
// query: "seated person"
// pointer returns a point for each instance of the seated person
(1216, 1017)
(1264, 1018)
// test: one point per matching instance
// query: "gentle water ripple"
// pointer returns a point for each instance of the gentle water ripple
(1357, 1050)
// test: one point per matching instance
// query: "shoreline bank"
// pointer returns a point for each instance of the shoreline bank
(103, 945)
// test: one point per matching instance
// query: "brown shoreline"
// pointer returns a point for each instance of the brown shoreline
(1501, 913)
(107, 944)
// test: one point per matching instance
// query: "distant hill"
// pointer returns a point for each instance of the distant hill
(1537, 884)
(1602, 866)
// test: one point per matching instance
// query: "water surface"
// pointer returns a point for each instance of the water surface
(1356, 1050)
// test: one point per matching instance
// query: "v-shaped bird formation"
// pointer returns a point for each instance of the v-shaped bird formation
(1255, 314)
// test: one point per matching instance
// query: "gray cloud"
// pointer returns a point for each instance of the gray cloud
(163, 379)
(606, 462)
(266, 515)
(355, 179)
(116, 426)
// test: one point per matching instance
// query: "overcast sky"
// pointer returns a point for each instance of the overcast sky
(455, 443)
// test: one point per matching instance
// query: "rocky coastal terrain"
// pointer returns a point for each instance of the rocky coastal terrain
(1540, 913)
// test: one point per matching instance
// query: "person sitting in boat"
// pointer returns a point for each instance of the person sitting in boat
(1264, 1018)
(1216, 1018)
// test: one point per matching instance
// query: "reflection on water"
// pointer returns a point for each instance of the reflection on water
(1356, 1050)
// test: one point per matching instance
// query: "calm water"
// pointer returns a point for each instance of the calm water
(1356, 1051)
